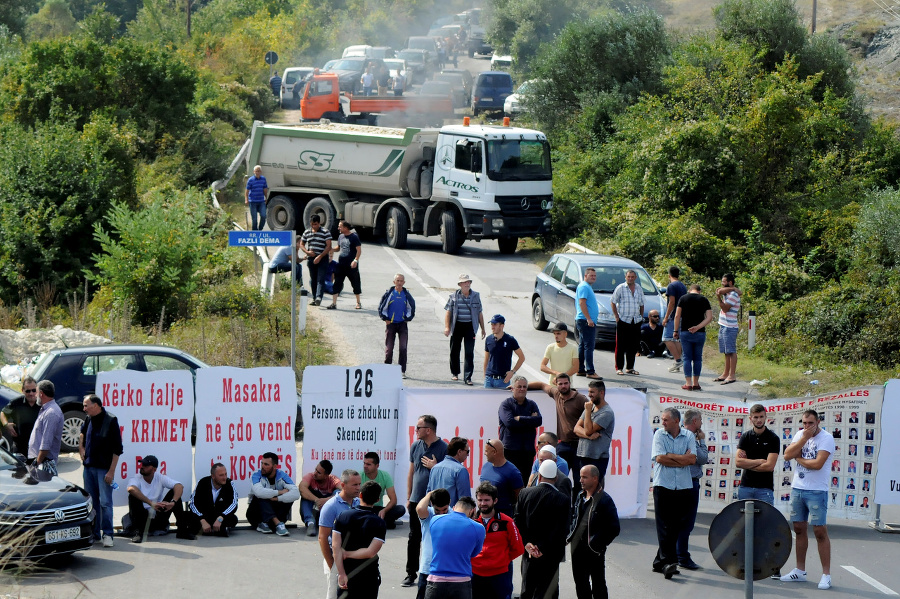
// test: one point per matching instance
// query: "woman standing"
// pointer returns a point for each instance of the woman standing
(691, 317)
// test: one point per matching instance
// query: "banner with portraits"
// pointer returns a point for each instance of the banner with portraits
(852, 417)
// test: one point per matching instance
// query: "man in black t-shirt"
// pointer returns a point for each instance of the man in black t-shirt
(757, 454)
(357, 537)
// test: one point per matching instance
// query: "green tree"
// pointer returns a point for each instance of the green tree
(521, 26)
(13, 13)
(773, 27)
(52, 21)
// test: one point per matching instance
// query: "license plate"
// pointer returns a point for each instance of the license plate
(63, 534)
(487, 99)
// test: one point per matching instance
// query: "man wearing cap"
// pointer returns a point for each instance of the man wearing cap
(569, 408)
(519, 419)
(461, 324)
(561, 482)
(548, 438)
(587, 311)
(149, 491)
(503, 475)
(499, 348)
(560, 357)
(542, 516)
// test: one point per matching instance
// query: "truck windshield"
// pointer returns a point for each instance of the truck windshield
(518, 160)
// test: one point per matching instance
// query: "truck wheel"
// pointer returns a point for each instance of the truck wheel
(397, 228)
(508, 245)
(325, 210)
(537, 315)
(71, 431)
(281, 214)
(449, 233)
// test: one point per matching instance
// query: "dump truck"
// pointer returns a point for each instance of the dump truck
(459, 181)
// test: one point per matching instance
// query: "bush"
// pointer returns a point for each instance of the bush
(235, 298)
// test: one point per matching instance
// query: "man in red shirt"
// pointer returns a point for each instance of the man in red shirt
(316, 488)
(492, 575)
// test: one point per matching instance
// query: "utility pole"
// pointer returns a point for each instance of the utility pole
(813, 17)
(189, 18)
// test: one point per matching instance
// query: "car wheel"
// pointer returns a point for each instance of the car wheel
(537, 315)
(73, 420)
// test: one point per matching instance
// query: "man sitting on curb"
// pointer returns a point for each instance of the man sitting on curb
(271, 496)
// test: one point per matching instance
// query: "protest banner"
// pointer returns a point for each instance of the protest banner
(887, 475)
(155, 413)
(242, 414)
(851, 416)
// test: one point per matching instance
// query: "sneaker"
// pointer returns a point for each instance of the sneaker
(676, 366)
(666, 354)
(107, 541)
(183, 534)
(825, 583)
(138, 538)
(409, 581)
(794, 575)
(404, 376)
(311, 530)
(264, 528)
(318, 301)
(312, 302)
(281, 530)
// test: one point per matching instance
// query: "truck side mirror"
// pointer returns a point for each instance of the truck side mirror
(476, 162)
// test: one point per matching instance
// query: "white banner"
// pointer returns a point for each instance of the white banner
(242, 414)
(348, 412)
(473, 414)
(155, 412)
(851, 416)
(887, 476)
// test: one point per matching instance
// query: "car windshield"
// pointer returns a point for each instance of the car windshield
(441, 88)
(7, 461)
(394, 65)
(449, 78)
(610, 277)
(357, 64)
(421, 43)
(518, 160)
(411, 56)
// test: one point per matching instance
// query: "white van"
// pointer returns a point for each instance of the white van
(291, 78)
(363, 50)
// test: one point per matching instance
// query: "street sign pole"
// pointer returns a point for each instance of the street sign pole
(749, 512)
(293, 300)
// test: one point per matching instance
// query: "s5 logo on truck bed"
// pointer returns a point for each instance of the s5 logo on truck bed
(310, 160)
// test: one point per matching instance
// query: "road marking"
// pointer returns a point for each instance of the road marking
(535, 374)
(865, 577)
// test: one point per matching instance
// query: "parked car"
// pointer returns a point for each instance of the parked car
(501, 63)
(423, 42)
(457, 88)
(361, 50)
(419, 64)
(468, 81)
(475, 42)
(512, 106)
(382, 52)
(350, 70)
(292, 85)
(553, 299)
(491, 90)
(7, 395)
(41, 515)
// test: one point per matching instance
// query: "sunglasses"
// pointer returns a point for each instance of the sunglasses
(29, 390)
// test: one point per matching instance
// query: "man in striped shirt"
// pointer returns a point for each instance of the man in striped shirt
(729, 298)
(627, 303)
(315, 244)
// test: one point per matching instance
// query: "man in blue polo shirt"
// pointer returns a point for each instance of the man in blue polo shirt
(347, 499)
(455, 540)
(255, 197)
(498, 352)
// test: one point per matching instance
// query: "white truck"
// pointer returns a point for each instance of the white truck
(460, 182)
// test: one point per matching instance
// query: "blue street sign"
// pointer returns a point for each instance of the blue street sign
(250, 238)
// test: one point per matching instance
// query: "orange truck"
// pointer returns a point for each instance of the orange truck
(322, 99)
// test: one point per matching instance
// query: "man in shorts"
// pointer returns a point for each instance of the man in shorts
(729, 298)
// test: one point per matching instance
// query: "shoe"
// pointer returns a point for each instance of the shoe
(138, 538)
(666, 354)
(696, 388)
(264, 528)
(312, 302)
(670, 570)
(311, 530)
(718, 379)
(186, 536)
(620, 373)
(651, 355)
(825, 583)
(332, 307)
(581, 374)
(469, 382)
(281, 530)
(223, 532)
(689, 565)
(794, 575)
(687, 387)
(594, 376)
(632, 371)
(404, 375)
(776, 575)
(409, 581)
(728, 381)
(107, 541)
(676, 366)
(391, 525)
(318, 301)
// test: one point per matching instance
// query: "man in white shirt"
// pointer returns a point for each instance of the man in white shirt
(150, 491)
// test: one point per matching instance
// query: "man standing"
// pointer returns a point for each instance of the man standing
(595, 429)
(519, 420)
(212, 508)
(595, 524)
(461, 322)
(492, 568)
(396, 308)
(503, 476)
(693, 421)
(498, 352)
(349, 251)
(569, 408)
(455, 540)
(427, 450)
(272, 493)
(587, 311)
(434, 503)
(757, 455)
(357, 538)
(255, 196)
(316, 488)
(347, 499)
(100, 446)
(150, 492)
(46, 436)
(19, 415)
(674, 290)
(627, 303)
(651, 336)
(673, 452)
(315, 245)
(561, 482)
(810, 449)
(275, 84)
(390, 512)
(560, 357)
(542, 515)
(282, 263)
(729, 298)
(368, 81)
(451, 474)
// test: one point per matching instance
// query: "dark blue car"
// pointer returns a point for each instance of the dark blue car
(491, 90)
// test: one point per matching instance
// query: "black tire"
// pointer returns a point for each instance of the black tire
(508, 245)
(450, 241)
(73, 420)
(396, 228)
(281, 214)
(537, 315)
(325, 209)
